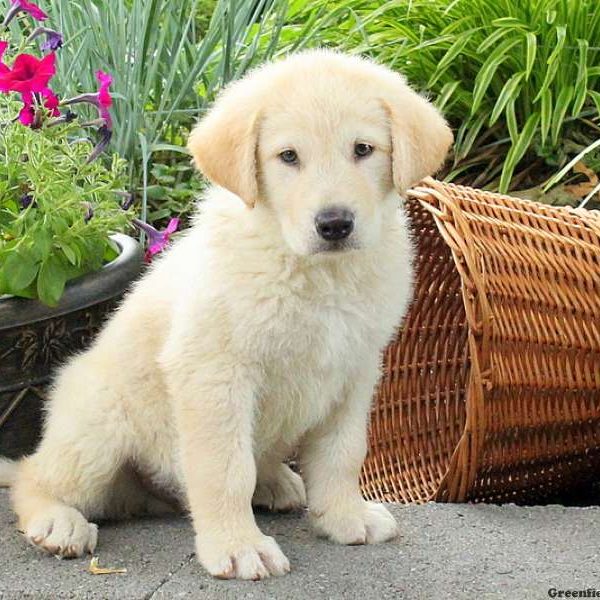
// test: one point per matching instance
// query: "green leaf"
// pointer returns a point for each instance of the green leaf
(69, 252)
(561, 33)
(553, 62)
(470, 136)
(42, 243)
(156, 191)
(158, 215)
(455, 49)
(511, 121)
(582, 78)
(511, 22)
(169, 148)
(595, 96)
(510, 91)
(531, 52)
(51, 281)
(446, 93)
(110, 253)
(492, 39)
(488, 70)
(560, 110)
(4, 289)
(546, 114)
(20, 269)
(517, 151)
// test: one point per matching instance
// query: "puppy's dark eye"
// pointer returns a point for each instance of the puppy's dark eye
(289, 157)
(361, 150)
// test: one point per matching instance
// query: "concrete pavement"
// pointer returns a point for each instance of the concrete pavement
(446, 551)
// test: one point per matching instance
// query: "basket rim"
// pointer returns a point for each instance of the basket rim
(455, 230)
(533, 207)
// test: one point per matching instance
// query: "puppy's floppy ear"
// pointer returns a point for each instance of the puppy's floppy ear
(421, 137)
(223, 144)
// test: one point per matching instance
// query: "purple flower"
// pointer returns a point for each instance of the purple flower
(89, 212)
(128, 199)
(67, 117)
(26, 200)
(54, 39)
(100, 147)
(157, 240)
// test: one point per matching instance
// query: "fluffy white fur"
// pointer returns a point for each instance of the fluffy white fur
(249, 340)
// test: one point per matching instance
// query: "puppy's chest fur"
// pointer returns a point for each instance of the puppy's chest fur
(314, 328)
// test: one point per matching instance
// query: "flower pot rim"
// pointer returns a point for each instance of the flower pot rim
(109, 281)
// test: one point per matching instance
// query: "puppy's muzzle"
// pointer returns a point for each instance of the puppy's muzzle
(334, 224)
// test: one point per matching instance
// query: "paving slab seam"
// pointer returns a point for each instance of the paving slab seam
(188, 559)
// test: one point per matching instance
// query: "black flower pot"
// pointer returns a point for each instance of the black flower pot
(35, 339)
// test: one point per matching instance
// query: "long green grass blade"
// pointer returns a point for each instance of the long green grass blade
(517, 151)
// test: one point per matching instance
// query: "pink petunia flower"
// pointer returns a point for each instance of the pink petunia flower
(33, 10)
(51, 102)
(29, 7)
(104, 79)
(101, 99)
(104, 97)
(28, 74)
(3, 68)
(157, 240)
(27, 115)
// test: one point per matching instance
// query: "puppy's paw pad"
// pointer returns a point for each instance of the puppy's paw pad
(285, 492)
(254, 560)
(380, 525)
(62, 531)
(343, 528)
(370, 523)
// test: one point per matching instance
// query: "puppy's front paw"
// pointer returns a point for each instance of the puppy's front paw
(62, 531)
(255, 559)
(368, 523)
(282, 491)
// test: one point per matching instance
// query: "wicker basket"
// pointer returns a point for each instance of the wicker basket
(492, 390)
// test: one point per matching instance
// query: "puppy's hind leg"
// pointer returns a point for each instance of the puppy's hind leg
(131, 496)
(278, 488)
(69, 478)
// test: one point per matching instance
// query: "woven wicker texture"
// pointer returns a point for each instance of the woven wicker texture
(491, 392)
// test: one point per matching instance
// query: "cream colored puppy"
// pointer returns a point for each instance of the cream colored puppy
(258, 334)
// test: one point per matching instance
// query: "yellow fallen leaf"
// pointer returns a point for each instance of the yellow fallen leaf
(579, 190)
(94, 569)
(581, 167)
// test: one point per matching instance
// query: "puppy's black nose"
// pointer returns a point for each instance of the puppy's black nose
(334, 223)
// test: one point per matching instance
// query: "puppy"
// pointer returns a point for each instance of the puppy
(258, 335)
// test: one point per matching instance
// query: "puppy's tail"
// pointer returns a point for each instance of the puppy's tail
(8, 472)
